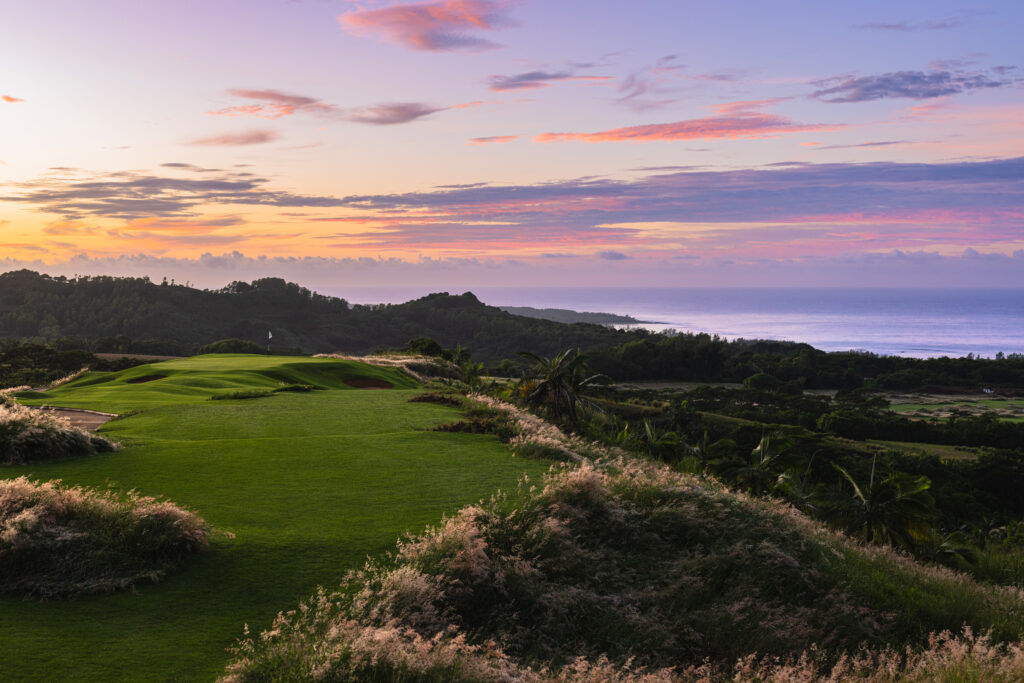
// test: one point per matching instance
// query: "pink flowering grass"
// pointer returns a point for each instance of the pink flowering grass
(58, 541)
(622, 570)
(28, 435)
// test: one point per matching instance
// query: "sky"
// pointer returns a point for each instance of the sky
(462, 143)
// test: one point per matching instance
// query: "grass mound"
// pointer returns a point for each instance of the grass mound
(58, 542)
(195, 379)
(609, 569)
(28, 436)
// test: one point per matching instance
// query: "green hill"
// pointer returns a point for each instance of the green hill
(120, 314)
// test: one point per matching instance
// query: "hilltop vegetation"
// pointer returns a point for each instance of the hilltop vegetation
(106, 314)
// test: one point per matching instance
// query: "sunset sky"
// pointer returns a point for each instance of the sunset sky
(443, 144)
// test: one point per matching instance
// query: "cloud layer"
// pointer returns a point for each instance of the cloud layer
(918, 85)
(742, 124)
(128, 195)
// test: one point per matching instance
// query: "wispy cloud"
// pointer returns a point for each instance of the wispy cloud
(918, 85)
(444, 25)
(390, 113)
(272, 104)
(905, 26)
(880, 143)
(251, 137)
(11, 99)
(637, 88)
(129, 196)
(735, 120)
(493, 139)
(532, 80)
(612, 256)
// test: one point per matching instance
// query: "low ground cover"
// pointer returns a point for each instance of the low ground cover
(309, 484)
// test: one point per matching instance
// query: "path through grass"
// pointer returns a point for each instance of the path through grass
(309, 484)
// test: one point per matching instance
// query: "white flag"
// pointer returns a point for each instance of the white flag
(270, 335)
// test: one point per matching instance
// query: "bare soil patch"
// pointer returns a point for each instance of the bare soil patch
(84, 419)
(368, 383)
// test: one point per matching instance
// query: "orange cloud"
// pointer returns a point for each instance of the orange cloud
(430, 26)
(493, 139)
(252, 137)
(748, 125)
(9, 98)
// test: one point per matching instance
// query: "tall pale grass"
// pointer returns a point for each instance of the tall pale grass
(623, 570)
(28, 435)
(58, 541)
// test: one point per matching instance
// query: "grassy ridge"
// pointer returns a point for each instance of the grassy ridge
(309, 484)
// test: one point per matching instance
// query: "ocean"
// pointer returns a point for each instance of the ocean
(920, 323)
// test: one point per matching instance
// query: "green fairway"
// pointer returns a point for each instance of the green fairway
(308, 483)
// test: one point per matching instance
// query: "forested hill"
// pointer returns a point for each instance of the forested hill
(176, 319)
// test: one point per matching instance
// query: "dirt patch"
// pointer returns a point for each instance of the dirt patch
(143, 380)
(368, 383)
(85, 419)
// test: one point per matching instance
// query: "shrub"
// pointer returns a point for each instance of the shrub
(28, 435)
(58, 542)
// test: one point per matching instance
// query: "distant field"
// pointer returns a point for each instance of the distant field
(308, 483)
(942, 407)
(933, 449)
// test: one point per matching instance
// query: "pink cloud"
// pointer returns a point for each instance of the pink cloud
(9, 98)
(252, 137)
(493, 139)
(272, 104)
(741, 125)
(391, 113)
(433, 25)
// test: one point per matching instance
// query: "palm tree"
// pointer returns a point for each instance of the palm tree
(896, 509)
(660, 444)
(558, 382)
(761, 467)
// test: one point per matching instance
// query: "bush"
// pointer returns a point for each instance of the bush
(58, 542)
(28, 435)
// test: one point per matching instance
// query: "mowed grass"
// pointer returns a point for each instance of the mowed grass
(941, 451)
(310, 484)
